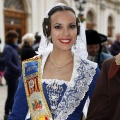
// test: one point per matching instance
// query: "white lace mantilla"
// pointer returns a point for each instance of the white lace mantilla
(82, 76)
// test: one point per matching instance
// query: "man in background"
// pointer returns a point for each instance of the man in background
(115, 47)
(94, 47)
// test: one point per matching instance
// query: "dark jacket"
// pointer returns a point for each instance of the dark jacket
(115, 48)
(100, 57)
(12, 61)
(2, 62)
(105, 102)
(27, 52)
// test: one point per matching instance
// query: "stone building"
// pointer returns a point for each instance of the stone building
(27, 15)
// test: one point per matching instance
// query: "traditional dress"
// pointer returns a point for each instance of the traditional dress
(65, 99)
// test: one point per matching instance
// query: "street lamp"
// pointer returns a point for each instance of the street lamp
(80, 5)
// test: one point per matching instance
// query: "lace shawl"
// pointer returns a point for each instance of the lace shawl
(82, 76)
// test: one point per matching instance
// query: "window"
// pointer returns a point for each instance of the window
(90, 20)
(110, 26)
(90, 17)
(14, 4)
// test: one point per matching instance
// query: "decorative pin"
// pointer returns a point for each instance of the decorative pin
(57, 69)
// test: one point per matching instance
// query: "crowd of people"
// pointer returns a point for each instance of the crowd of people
(74, 73)
(11, 63)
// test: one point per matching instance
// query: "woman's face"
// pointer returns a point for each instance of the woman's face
(63, 30)
(15, 40)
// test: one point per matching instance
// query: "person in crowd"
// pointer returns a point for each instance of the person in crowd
(37, 41)
(94, 47)
(115, 47)
(55, 84)
(27, 42)
(12, 68)
(106, 46)
(2, 67)
(104, 104)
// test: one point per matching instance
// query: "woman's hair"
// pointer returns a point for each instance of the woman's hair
(10, 36)
(27, 39)
(47, 24)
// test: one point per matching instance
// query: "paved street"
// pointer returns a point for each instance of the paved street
(3, 94)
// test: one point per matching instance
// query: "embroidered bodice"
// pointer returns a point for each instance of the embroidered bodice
(54, 90)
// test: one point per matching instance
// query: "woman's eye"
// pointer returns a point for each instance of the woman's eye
(57, 27)
(72, 26)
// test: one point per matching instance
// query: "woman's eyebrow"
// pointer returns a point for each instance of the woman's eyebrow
(73, 23)
(61, 24)
(57, 24)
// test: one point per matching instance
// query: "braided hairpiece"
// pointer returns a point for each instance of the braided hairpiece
(79, 48)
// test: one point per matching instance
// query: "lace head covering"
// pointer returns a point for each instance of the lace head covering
(79, 48)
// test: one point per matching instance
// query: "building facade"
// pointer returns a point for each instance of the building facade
(27, 15)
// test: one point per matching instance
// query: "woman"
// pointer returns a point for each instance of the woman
(57, 81)
(12, 68)
(27, 43)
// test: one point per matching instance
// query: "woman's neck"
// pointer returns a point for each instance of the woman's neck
(61, 57)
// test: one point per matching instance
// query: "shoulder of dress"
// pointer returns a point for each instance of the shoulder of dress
(87, 63)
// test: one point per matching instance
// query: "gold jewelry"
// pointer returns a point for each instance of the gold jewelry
(59, 66)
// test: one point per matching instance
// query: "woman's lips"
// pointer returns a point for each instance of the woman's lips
(65, 41)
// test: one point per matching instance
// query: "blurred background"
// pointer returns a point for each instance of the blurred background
(27, 15)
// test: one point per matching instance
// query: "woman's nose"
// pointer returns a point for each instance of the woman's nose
(66, 32)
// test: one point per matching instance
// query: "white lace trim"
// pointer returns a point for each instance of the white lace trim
(54, 92)
(82, 76)
(51, 81)
(83, 73)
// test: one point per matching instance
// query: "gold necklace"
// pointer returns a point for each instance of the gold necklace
(59, 66)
